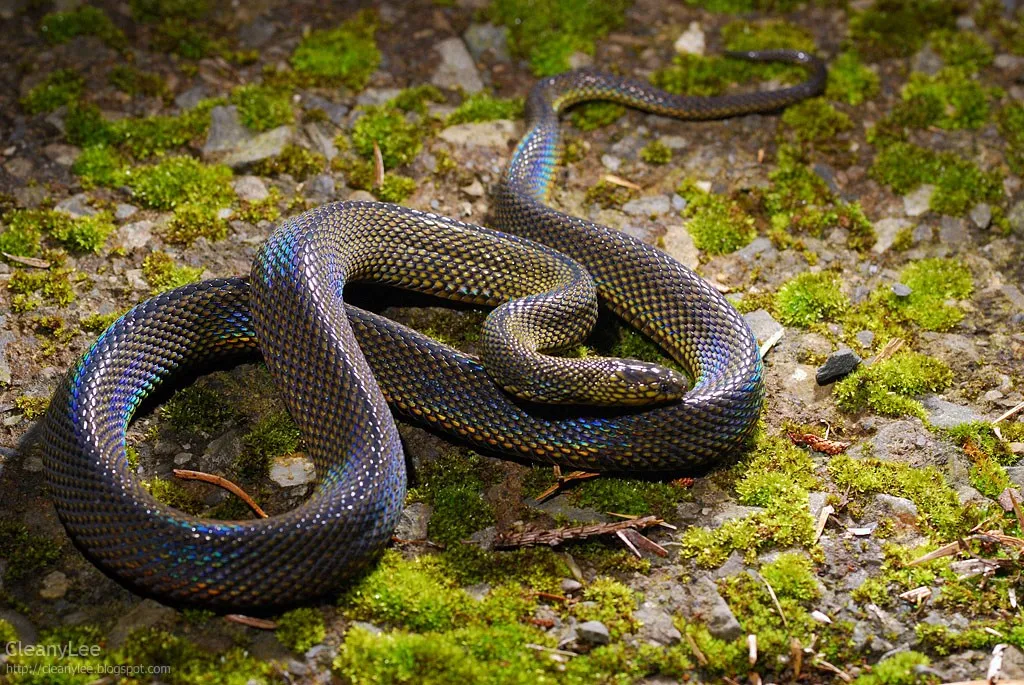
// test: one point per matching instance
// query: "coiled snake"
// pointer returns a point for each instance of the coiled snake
(339, 367)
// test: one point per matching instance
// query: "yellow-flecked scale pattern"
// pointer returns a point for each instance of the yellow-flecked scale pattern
(339, 369)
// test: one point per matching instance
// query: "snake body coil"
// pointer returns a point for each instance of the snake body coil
(340, 367)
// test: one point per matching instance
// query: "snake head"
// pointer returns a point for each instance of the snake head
(641, 383)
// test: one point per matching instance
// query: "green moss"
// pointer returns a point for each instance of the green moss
(60, 87)
(60, 27)
(84, 234)
(811, 298)
(99, 165)
(52, 285)
(850, 81)
(960, 184)
(608, 195)
(156, 10)
(7, 633)
(26, 228)
(742, 36)
(932, 282)
(956, 99)
(744, 6)
(395, 188)
(898, 669)
(453, 485)
(548, 32)
(300, 629)
(610, 602)
(185, 39)
(590, 116)
(794, 184)
(897, 28)
(196, 411)
(937, 503)
(399, 139)
(174, 495)
(888, 387)
(160, 272)
(415, 99)
(193, 221)
(656, 152)
(717, 224)
(31, 407)
(261, 108)
(1011, 126)
(266, 209)
(987, 454)
(485, 107)
(147, 136)
(26, 553)
(134, 81)
(630, 496)
(272, 436)
(964, 49)
(537, 568)
(295, 160)
(773, 469)
(815, 121)
(345, 55)
(175, 181)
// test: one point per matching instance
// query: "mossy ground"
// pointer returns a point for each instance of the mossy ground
(815, 181)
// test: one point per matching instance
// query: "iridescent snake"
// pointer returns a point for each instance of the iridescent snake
(339, 367)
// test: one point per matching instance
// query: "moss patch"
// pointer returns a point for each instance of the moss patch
(629, 496)
(485, 107)
(26, 553)
(294, 160)
(951, 99)
(261, 108)
(897, 28)
(175, 181)
(160, 272)
(1011, 126)
(850, 80)
(300, 629)
(888, 387)
(60, 27)
(932, 283)
(193, 221)
(345, 55)
(60, 87)
(811, 298)
(656, 152)
(717, 224)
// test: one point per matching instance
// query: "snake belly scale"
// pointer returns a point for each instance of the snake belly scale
(339, 368)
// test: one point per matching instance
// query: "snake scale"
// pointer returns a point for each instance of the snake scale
(339, 368)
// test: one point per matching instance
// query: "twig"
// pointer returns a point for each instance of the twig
(775, 599)
(917, 594)
(944, 551)
(796, 654)
(619, 181)
(634, 516)
(772, 340)
(1016, 509)
(551, 595)
(1009, 412)
(826, 666)
(556, 536)
(421, 541)
(562, 481)
(697, 654)
(27, 261)
(891, 348)
(221, 482)
(252, 622)
(378, 165)
(826, 511)
(642, 542)
(550, 650)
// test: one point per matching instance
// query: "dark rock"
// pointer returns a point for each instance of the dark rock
(946, 414)
(656, 625)
(594, 632)
(839, 364)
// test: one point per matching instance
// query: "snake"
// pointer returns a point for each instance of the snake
(343, 370)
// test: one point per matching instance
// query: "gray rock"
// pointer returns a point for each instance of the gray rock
(250, 188)
(611, 162)
(368, 627)
(65, 155)
(756, 247)
(263, 146)
(900, 507)
(1015, 218)
(678, 244)
(76, 206)
(320, 139)
(29, 197)
(839, 364)
(900, 290)
(320, 186)
(5, 366)
(334, 111)
(124, 211)
(917, 202)
(136, 236)
(647, 206)
(691, 41)
(1014, 295)
(222, 452)
(292, 470)
(594, 632)
(483, 38)
(571, 585)
(656, 625)
(192, 97)
(361, 196)
(226, 131)
(946, 414)
(256, 33)
(953, 231)
(1013, 664)
(865, 338)
(413, 523)
(708, 606)
(926, 60)
(762, 325)
(679, 202)
(981, 215)
(886, 231)
(489, 134)
(145, 614)
(457, 69)
(55, 585)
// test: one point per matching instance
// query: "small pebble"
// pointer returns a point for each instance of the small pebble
(571, 585)
(900, 290)
(593, 632)
(839, 364)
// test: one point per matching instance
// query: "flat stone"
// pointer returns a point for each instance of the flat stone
(594, 632)
(5, 366)
(917, 202)
(678, 244)
(488, 134)
(145, 614)
(76, 206)
(1013, 294)
(484, 38)
(192, 97)
(124, 211)
(900, 507)
(571, 585)
(691, 41)
(320, 186)
(981, 215)
(457, 69)
(137, 235)
(927, 61)
(250, 188)
(762, 325)
(65, 155)
(413, 523)
(886, 231)
(865, 338)
(292, 470)
(953, 231)
(263, 146)
(29, 197)
(945, 414)
(335, 112)
(321, 139)
(755, 247)
(256, 33)
(655, 205)
(361, 196)
(656, 625)
(474, 189)
(55, 585)
(839, 364)
(900, 289)
(708, 605)
(226, 131)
